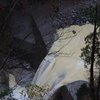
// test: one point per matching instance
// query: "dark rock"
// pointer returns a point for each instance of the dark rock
(62, 19)
(63, 25)
(95, 1)
(73, 11)
(60, 13)
(74, 32)
(87, 22)
(82, 17)
(4, 81)
(4, 3)
(62, 94)
(73, 16)
(55, 23)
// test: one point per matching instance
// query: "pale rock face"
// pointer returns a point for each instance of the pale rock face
(17, 89)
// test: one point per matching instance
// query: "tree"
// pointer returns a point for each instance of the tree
(91, 53)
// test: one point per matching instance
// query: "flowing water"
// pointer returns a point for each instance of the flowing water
(63, 64)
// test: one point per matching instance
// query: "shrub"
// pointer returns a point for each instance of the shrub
(35, 92)
(83, 92)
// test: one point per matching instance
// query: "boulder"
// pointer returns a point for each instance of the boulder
(62, 94)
